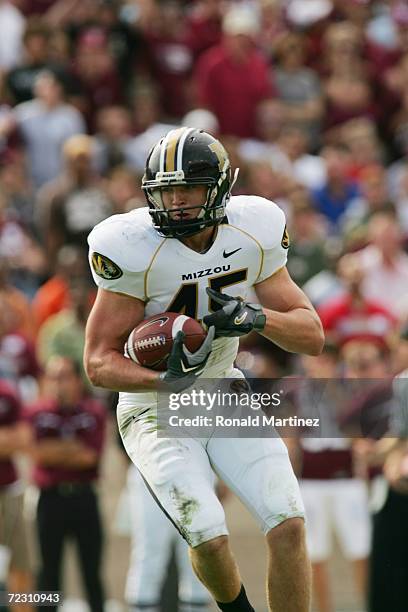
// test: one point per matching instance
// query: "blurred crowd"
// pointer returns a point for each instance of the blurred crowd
(310, 98)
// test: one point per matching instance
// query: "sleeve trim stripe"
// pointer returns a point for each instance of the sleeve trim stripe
(119, 292)
(150, 266)
(257, 243)
(273, 273)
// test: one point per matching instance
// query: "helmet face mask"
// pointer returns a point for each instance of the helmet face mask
(187, 156)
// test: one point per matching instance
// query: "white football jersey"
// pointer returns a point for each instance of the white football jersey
(128, 256)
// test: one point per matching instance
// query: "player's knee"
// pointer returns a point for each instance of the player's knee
(287, 536)
(205, 526)
(212, 548)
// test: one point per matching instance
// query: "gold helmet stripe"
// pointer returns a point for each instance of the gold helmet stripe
(171, 143)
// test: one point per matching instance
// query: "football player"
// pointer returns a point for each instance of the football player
(198, 251)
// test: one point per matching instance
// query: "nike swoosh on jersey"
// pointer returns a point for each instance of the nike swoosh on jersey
(241, 319)
(225, 254)
(183, 367)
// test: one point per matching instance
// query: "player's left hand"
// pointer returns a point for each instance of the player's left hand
(235, 317)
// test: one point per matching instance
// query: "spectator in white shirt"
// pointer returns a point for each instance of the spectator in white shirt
(44, 124)
(11, 32)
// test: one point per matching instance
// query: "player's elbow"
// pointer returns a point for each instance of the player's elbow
(317, 340)
(93, 369)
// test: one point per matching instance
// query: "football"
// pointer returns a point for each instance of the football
(150, 343)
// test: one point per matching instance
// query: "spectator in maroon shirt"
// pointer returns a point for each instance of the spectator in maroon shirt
(67, 436)
(233, 78)
(348, 82)
(204, 25)
(98, 77)
(34, 7)
(170, 53)
(14, 564)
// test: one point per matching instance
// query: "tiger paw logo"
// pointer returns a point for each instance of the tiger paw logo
(105, 267)
(285, 242)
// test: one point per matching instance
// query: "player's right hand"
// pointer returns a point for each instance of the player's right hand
(184, 367)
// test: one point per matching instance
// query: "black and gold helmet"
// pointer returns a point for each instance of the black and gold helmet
(187, 156)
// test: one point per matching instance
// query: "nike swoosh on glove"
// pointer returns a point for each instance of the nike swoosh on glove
(184, 367)
(235, 317)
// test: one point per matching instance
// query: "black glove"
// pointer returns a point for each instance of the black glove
(183, 367)
(236, 317)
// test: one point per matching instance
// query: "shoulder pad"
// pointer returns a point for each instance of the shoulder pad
(128, 240)
(259, 217)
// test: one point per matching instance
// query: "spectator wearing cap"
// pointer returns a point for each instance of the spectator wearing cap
(69, 206)
(67, 431)
(44, 124)
(14, 558)
(233, 78)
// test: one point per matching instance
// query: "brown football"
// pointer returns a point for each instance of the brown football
(150, 343)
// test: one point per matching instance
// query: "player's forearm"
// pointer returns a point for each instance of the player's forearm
(297, 331)
(111, 370)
